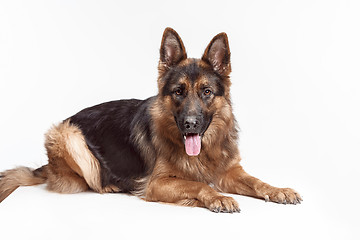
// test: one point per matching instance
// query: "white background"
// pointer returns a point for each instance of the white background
(295, 93)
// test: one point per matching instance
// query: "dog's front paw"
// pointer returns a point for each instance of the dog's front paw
(282, 195)
(222, 204)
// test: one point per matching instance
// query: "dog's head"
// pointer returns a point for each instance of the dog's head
(194, 90)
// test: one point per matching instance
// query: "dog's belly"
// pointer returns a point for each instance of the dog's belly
(110, 129)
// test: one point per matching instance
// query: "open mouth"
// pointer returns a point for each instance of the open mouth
(192, 143)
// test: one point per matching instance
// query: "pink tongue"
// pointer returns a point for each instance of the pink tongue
(192, 144)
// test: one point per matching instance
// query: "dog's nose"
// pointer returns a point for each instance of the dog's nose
(191, 123)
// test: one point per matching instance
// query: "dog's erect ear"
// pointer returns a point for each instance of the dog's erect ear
(217, 54)
(172, 49)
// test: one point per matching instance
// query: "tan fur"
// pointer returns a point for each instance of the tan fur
(237, 181)
(178, 178)
(181, 179)
(63, 179)
(72, 166)
(10, 180)
(172, 176)
(189, 193)
(165, 126)
(141, 186)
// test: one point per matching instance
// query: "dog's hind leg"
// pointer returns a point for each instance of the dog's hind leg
(63, 179)
(72, 166)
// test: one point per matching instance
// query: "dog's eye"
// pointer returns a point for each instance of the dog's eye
(178, 92)
(207, 92)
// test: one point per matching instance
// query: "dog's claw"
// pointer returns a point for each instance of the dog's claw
(267, 199)
(216, 209)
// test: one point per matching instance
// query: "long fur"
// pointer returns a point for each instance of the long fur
(10, 180)
(138, 146)
(66, 142)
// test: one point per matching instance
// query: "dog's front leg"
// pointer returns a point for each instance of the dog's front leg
(189, 193)
(237, 181)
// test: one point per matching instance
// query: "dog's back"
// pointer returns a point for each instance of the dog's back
(117, 133)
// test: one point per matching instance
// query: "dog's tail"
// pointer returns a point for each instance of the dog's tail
(10, 180)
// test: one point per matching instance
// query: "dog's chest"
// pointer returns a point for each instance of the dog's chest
(199, 168)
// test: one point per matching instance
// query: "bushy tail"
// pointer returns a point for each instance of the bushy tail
(10, 180)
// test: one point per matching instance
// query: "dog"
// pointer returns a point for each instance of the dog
(180, 146)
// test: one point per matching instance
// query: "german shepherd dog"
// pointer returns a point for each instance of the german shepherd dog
(180, 146)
